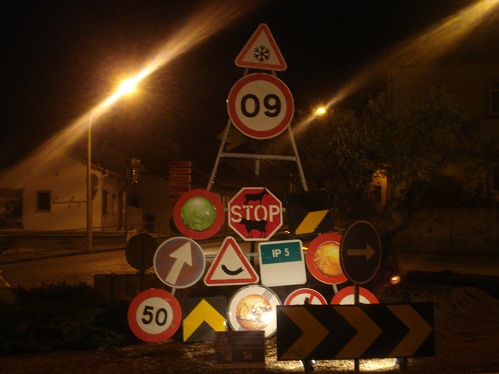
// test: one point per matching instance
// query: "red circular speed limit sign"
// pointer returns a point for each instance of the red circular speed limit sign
(260, 106)
(154, 315)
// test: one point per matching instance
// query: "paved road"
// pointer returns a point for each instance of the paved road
(32, 268)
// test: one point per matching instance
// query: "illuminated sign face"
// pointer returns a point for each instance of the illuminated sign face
(253, 308)
(323, 259)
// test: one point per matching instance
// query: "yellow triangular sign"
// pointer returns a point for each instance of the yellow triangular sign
(261, 52)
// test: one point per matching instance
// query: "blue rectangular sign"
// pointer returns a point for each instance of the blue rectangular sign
(280, 252)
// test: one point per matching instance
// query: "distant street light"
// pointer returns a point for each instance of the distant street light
(126, 87)
(320, 111)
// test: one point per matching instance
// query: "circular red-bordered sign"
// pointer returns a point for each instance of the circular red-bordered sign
(304, 296)
(179, 262)
(346, 296)
(323, 259)
(154, 315)
(254, 308)
(260, 105)
(211, 210)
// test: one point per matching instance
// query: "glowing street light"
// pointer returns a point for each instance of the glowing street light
(126, 87)
(320, 111)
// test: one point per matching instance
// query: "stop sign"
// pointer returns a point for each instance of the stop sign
(255, 213)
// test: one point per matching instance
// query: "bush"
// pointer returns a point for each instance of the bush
(62, 317)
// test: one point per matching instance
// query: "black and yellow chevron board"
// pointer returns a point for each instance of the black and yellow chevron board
(309, 212)
(202, 317)
(324, 332)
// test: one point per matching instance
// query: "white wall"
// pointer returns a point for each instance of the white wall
(65, 178)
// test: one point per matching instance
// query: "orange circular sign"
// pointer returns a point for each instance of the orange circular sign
(323, 259)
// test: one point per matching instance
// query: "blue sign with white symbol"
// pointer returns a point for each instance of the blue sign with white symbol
(179, 262)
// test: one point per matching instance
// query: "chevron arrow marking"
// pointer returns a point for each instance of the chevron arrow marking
(311, 221)
(419, 330)
(313, 333)
(367, 332)
(203, 312)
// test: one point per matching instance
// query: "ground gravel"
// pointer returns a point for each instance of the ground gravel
(466, 329)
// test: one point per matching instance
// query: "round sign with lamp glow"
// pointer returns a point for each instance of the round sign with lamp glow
(198, 214)
(254, 308)
(323, 259)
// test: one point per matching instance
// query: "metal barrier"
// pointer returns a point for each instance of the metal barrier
(27, 241)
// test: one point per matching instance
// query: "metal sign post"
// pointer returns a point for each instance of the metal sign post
(260, 105)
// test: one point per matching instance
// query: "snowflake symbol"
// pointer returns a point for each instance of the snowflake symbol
(261, 54)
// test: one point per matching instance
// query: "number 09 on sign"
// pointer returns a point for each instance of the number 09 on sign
(260, 106)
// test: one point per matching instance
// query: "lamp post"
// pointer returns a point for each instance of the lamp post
(89, 183)
(126, 86)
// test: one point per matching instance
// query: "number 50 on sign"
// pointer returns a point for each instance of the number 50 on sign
(154, 315)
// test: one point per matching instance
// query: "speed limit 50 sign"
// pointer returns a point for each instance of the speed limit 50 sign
(154, 315)
(260, 106)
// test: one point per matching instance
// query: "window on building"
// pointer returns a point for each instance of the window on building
(105, 196)
(134, 200)
(43, 200)
(115, 203)
(11, 208)
(494, 97)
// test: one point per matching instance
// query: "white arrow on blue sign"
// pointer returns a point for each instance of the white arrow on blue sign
(179, 262)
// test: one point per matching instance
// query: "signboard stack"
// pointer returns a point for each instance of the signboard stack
(261, 106)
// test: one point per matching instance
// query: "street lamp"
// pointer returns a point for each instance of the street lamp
(320, 111)
(126, 87)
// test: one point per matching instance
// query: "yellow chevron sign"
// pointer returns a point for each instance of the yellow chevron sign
(309, 212)
(306, 332)
(313, 333)
(203, 318)
(311, 222)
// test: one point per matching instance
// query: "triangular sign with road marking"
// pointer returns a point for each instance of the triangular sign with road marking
(261, 52)
(230, 266)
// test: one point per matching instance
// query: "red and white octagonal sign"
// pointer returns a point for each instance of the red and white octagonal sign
(255, 213)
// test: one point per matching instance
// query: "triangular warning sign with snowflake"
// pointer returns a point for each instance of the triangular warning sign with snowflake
(230, 266)
(261, 52)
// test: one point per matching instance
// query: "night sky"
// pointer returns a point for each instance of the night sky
(60, 58)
